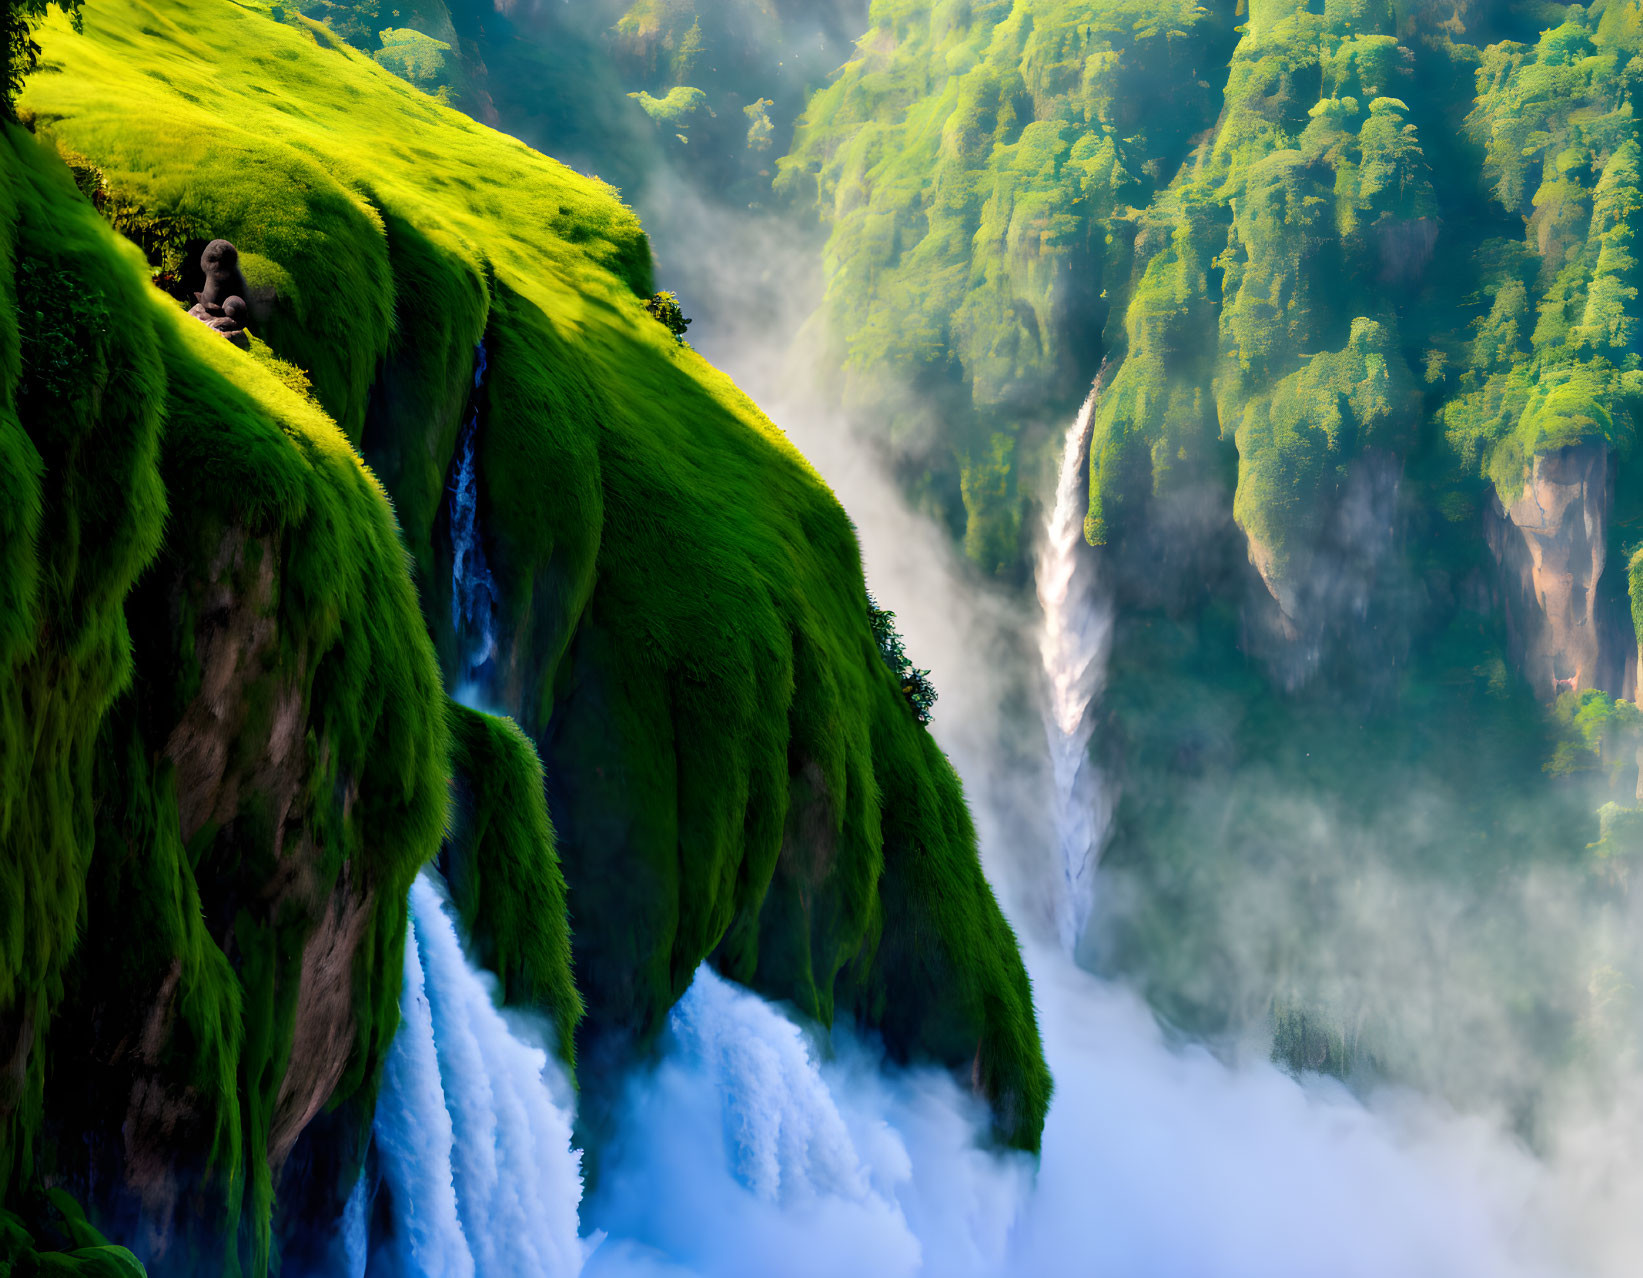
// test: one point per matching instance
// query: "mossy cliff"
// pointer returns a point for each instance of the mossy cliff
(225, 749)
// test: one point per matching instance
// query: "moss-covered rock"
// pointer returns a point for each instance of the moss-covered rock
(684, 635)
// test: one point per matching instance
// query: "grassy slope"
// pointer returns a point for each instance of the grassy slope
(682, 595)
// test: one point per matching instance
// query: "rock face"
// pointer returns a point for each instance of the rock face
(1324, 589)
(1551, 545)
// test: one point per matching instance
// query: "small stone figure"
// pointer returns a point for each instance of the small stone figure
(221, 303)
(221, 263)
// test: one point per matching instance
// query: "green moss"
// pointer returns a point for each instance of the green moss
(279, 539)
(676, 109)
(84, 514)
(504, 872)
(684, 633)
(53, 1237)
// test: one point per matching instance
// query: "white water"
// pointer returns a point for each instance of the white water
(473, 1140)
(1073, 645)
(473, 590)
(749, 1155)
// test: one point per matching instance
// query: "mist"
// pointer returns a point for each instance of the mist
(1162, 1155)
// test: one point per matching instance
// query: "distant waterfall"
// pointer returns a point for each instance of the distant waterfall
(475, 1150)
(473, 590)
(1073, 647)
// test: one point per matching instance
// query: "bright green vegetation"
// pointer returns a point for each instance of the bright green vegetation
(1255, 220)
(421, 59)
(275, 607)
(631, 89)
(19, 52)
(503, 871)
(974, 164)
(56, 1239)
(212, 621)
(664, 308)
(914, 683)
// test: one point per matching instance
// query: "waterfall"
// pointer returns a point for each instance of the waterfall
(1073, 647)
(751, 1154)
(784, 1136)
(473, 590)
(474, 1147)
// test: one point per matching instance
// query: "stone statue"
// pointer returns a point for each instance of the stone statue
(221, 303)
(221, 263)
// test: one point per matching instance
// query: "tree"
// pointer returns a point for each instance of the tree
(914, 683)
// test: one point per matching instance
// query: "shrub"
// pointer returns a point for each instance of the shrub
(664, 308)
(915, 683)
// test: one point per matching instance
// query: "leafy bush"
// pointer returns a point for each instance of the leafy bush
(62, 327)
(915, 683)
(18, 51)
(664, 308)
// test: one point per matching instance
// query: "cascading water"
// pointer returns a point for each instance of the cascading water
(748, 1154)
(1073, 647)
(473, 590)
(473, 1143)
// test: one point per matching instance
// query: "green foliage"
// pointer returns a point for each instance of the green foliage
(19, 52)
(731, 769)
(63, 325)
(664, 308)
(1309, 1038)
(424, 61)
(760, 131)
(1591, 729)
(677, 109)
(914, 683)
(1620, 835)
(975, 164)
(53, 1237)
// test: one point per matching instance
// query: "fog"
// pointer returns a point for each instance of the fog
(1161, 1157)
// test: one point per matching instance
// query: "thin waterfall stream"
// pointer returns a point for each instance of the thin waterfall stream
(1076, 636)
(473, 590)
